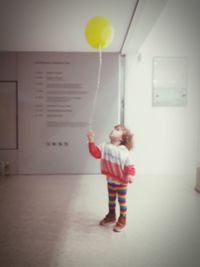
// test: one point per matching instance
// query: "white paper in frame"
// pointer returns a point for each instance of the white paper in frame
(169, 81)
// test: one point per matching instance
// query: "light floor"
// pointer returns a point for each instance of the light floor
(52, 221)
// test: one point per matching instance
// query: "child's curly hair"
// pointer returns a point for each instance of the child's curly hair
(127, 137)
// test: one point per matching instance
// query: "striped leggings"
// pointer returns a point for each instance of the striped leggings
(120, 191)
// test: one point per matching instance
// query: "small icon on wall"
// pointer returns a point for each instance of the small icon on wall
(57, 143)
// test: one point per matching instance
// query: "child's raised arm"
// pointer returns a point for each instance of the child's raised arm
(93, 149)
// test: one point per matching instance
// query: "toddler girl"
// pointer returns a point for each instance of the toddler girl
(117, 165)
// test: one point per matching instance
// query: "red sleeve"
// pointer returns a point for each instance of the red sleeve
(129, 170)
(94, 150)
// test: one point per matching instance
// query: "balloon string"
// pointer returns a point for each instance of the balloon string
(97, 88)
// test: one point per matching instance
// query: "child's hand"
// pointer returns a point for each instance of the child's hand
(130, 179)
(90, 136)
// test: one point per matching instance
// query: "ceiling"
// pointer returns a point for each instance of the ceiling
(58, 25)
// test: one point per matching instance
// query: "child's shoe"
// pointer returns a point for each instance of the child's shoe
(121, 223)
(109, 218)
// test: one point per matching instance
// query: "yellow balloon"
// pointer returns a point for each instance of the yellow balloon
(99, 32)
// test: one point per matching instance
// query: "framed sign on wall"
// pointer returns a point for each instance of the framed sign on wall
(8, 115)
(169, 81)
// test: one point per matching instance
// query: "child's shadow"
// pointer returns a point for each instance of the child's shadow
(89, 223)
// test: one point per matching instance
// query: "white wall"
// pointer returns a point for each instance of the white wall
(166, 138)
